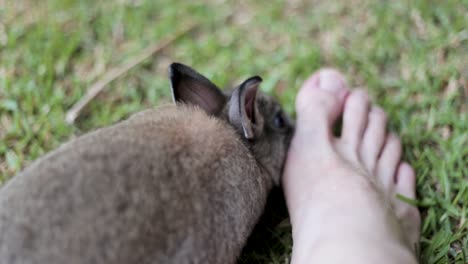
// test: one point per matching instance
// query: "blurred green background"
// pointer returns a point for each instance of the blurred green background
(411, 55)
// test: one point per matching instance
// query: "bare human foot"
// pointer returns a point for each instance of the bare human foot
(341, 192)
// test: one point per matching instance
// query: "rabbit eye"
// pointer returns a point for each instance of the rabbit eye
(279, 121)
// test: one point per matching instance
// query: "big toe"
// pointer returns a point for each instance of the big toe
(319, 103)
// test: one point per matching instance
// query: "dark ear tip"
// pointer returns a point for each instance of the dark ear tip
(174, 68)
(255, 78)
(175, 65)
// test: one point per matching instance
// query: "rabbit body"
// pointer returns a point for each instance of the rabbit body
(170, 185)
(166, 186)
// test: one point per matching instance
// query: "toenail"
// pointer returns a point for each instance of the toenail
(310, 84)
(361, 93)
(394, 139)
(379, 113)
(332, 81)
(315, 80)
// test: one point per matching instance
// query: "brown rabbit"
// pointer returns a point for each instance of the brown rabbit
(179, 184)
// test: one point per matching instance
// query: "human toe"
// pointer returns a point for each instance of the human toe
(408, 214)
(374, 138)
(356, 111)
(319, 103)
(388, 162)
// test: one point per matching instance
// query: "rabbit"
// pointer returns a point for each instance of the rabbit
(182, 183)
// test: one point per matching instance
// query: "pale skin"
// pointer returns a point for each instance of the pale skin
(342, 191)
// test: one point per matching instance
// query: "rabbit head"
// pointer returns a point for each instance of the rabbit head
(257, 118)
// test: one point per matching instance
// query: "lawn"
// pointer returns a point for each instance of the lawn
(411, 55)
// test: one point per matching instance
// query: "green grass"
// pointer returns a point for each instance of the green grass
(411, 55)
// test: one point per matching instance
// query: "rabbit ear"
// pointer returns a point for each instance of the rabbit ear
(190, 87)
(243, 113)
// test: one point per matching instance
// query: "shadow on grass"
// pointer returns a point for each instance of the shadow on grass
(270, 242)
